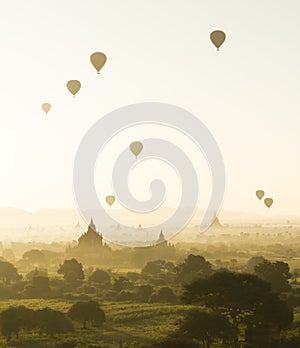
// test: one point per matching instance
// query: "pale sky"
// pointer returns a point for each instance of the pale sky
(247, 94)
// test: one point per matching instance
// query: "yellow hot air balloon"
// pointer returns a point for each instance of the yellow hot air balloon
(268, 202)
(136, 147)
(110, 200)
(98, 59)
(46, 107)
(217, 37)
(260, 194)
(73, 86)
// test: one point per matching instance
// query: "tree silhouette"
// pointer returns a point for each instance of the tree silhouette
(100, 277)
(144, 292)
(49, 321)
(72, 270)
(8, 273)
(164, 294)
(35, 257)
(253, 262)
(205, 326)
(87, 312)
(121, 283)
(274, 311)
(13, 319)
(193, 267)
(37, 272)
(157, 267)
(235, 295)
(53, 322)
(276, 273)
(39, 287)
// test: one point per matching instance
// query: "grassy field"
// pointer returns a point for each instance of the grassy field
(132, 323)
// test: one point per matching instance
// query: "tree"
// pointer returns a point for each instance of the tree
(205, 326)
(100, 277)
(53, 322)
(37, 272)
(144, 292)
(122, 283)
(253, 262)
(164, 295)
(193, 267)
(13, 319)
(235, 295)
(269, 318)
(276, 273)
(39, 287)
(273, 311)
(49, 321)
(8, 254)
(157, 267)
(72, 270)
(87, 312)
(8, 273)
(35, 257)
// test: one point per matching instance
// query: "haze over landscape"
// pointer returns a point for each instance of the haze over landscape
(254, 120)
(138, 273)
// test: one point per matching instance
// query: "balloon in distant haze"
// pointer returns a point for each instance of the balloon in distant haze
(46, 107)
(268, 202)
(110, 200)
(260, 194)
(98, 59)
(74, 86)
(217, 37)
(136, 147)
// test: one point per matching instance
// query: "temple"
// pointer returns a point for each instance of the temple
(161, 239)
(91, 238)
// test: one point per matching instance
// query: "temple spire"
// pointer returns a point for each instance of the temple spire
(161, 237)
(92, 225)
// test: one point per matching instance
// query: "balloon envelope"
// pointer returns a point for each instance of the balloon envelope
(110, 200)
(136, 147)
(217, 37)
(46, 107)
(98, 59)
(73, 86)
(268, 202)
(260, 194)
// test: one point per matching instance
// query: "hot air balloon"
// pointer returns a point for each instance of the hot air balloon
(268, 202)
(136, 147)
(217, 37)
(74, 86)
(98, 59)
(110, 200)
(46, 107)
(260, 194)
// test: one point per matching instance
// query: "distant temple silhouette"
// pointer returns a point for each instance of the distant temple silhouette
(162, 242)
(161, 237)
(216, 224)
(77, 226)
(91, 238)
(92, 241)
(91, 247)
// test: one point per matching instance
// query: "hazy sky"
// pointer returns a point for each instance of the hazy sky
(247, 94)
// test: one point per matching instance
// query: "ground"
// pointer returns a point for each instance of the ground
(131, 323)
